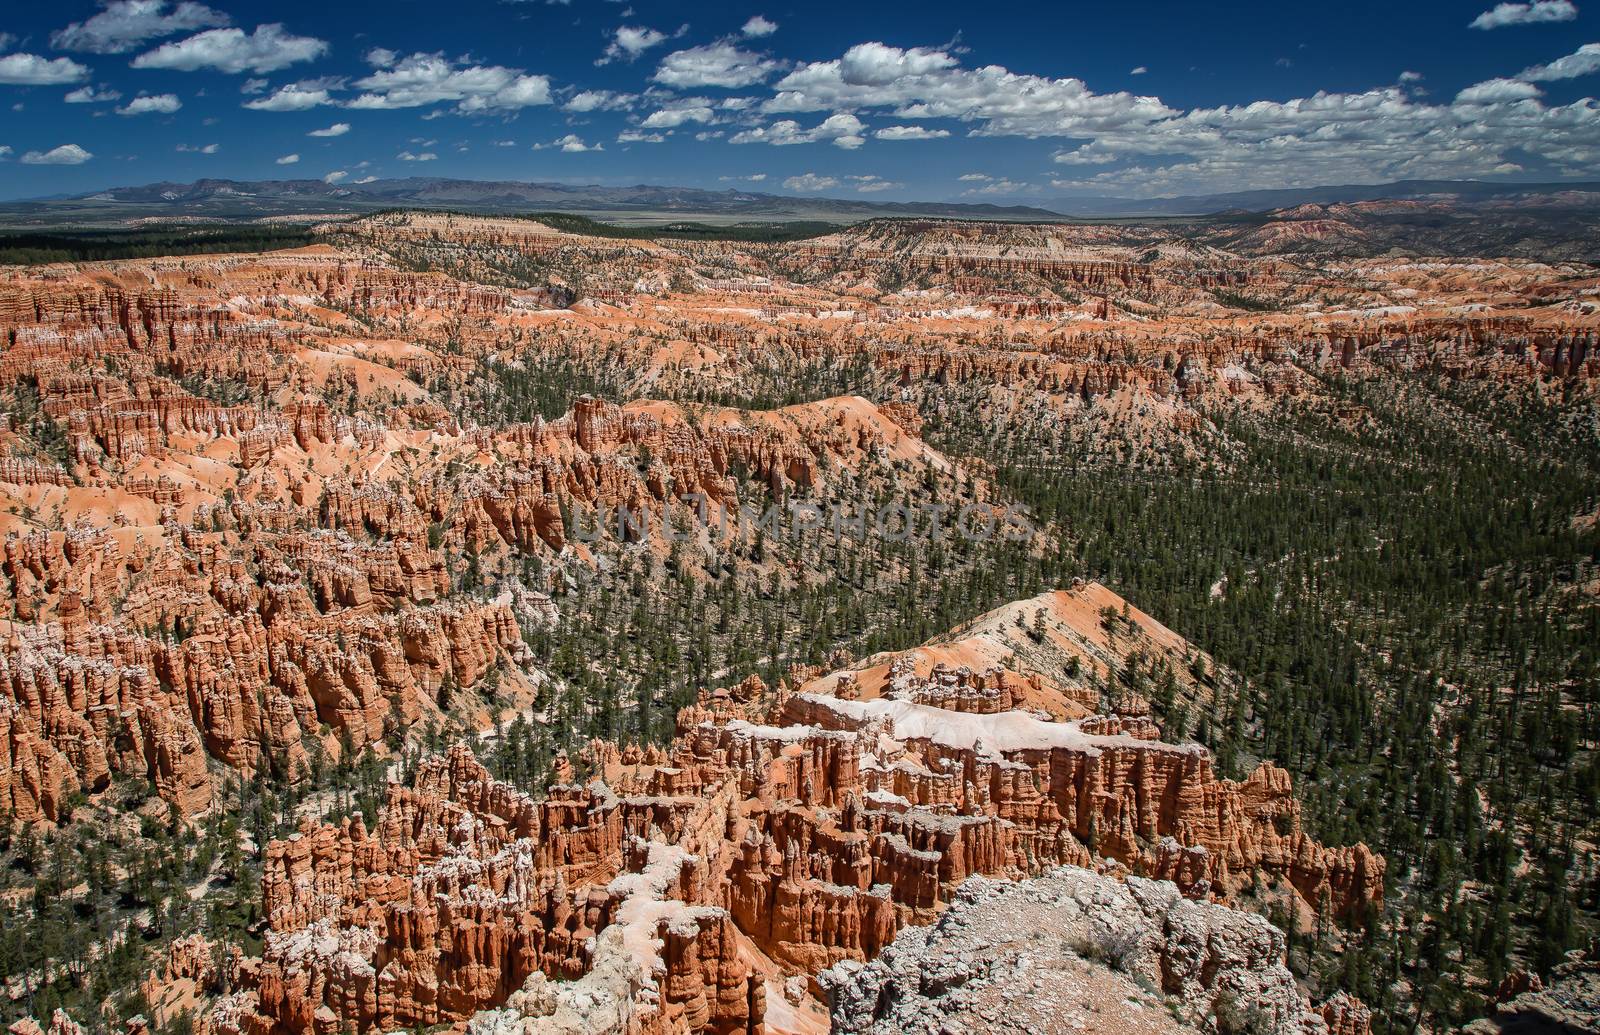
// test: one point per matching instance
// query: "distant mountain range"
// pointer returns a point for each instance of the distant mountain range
(235, 199)
(644, 204)
(1268, 200)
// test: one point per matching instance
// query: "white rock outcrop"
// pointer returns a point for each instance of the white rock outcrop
(1074, 951)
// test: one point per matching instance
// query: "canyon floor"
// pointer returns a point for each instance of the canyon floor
(465, 621)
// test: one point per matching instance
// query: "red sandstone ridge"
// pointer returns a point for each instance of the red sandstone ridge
(779, 833)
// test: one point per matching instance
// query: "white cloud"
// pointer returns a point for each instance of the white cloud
(874, 64)
(338, 129)
(1525, 14)
(629, 41)
(1497, 91)
(721, 64)
(600, 100)
(1140, 144)
(872, 184)
(293, 97)
(910, 133)
(268, 49)
(572, 144)
(158, 104)
(974, 177)
(633, 136)
(124, 24)
(288, 159)
(33, 70)
(1141, 70)
(424, 79)
(198, 149)
(759, 26)
(810, 183)
(1409, 76)
(1491, 129)
(922, 83)
(254, 86)
(1001, 186)
(335, 176)
(6, 40)
(841, 128)
(670, 118)
(365, 179)
(1583, 61)
(90, 95)
(407, 156)
(5, 151)
(66, 154)
(381, 57)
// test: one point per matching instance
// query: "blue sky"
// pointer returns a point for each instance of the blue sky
(1001, 102)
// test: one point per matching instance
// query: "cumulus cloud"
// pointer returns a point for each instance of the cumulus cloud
(841, 128)
(759, 26)
(156, 104)
(338, 129)
(993, 186)
(872, 184)
(425, 156)
(629, 41)
(599, 100)
(1141, 144)
(66, 154)
(672, 117)
(1497, 91)
(293, 97)
(1490, 129)
(335, 176)
(810, 183)
(91, 95)
(268, 49)
(923, 83)
(634, 136)
(122, 25)
(1583, 61)
(381, 57)
(910, 133)
(722, 64)
(5, 150)
(424, 79)
(288, 159)
(1537, 12)
(571, 143)
(33, 70)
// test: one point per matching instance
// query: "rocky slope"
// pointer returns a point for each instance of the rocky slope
(1072, 950)
(779, 834)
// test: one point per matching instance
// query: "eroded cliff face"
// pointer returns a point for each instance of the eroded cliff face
(779, 834)
(261, 488)
(198, 578)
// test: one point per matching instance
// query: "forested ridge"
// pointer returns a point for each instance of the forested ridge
(1411, 598)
